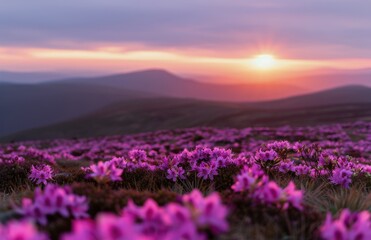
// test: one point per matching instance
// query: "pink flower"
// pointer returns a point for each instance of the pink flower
(81, 229)
(270, 193)
(285, 167)
(105, 171)
(20, 230)
(222, 156)
(111, 227)
(341, 176)
(207, 170)
(176, 221)
(138, 155)
(207, 211)
(107, 226)
(249, 179)
(175, 172)
(150, 215)
(41, 174)
(352, 226)
(53, 200)
(269, 155)
(256, 184)
(293, 197)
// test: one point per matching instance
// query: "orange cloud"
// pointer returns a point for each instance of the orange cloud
(117, 59)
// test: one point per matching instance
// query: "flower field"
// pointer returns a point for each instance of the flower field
(199, 183)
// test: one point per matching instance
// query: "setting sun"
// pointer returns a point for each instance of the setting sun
(264, 61)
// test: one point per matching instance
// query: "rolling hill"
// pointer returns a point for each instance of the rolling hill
(335, 96)
(144, 115)
(166, 84)
(29, 77)
(24, 106)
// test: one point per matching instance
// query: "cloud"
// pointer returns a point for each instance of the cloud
(214, 25)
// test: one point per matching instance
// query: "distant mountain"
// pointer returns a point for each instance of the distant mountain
(330, 79)
(167, 84)
(25, 106)
(167, 113)
(336, 96)
(34, 105)
(29, 77)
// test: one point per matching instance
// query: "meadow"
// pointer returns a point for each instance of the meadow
(196, 183)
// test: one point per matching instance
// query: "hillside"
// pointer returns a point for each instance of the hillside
(34, 105)
(336, 96)
(167, 113)
(29, 77)
(164, 83)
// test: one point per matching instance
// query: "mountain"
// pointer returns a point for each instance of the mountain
(144, 115)
(24, 106)
(167, 84)
(29, 77)
(336, 96)
(330, 79)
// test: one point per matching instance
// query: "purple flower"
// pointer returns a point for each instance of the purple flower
(175, 172)
(285, 167)
(81, 229)
(352, 226)
(107, 226)
(20, 230)
(249, 180)
(138, 155)
(293, 197)
(53, 200)
(41, 174)
(222, 156)
(256, 184)
(207, 170)
(207, 211)
(270, 193)
(341, 176)
(113, 227)
(105, 171)
(264, 156)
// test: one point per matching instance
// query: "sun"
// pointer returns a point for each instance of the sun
(264, 61)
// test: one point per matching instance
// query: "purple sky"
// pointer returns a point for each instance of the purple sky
(296, 29)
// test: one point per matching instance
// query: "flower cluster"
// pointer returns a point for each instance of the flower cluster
(177, 160)
(202, 160)
(260, 189)
(20, 230)
(349, 226)
(341, 176)
(104, 171)
(41, 174)
(188, 220)
(53, 200)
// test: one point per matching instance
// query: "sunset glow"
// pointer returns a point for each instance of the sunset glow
(111, 58)
(264, 62)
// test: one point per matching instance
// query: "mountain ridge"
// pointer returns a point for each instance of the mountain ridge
(142, 115)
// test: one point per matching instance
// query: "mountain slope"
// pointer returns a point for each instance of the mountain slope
(28, 106)
(29, 77)
(336, 96)
(168, 113)
(167, 84)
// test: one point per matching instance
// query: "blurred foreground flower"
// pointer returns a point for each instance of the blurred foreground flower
(348, 226)
(191, 220)
(53, 200)
(20, 230)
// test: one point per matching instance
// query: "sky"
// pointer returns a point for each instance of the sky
(200, 37)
